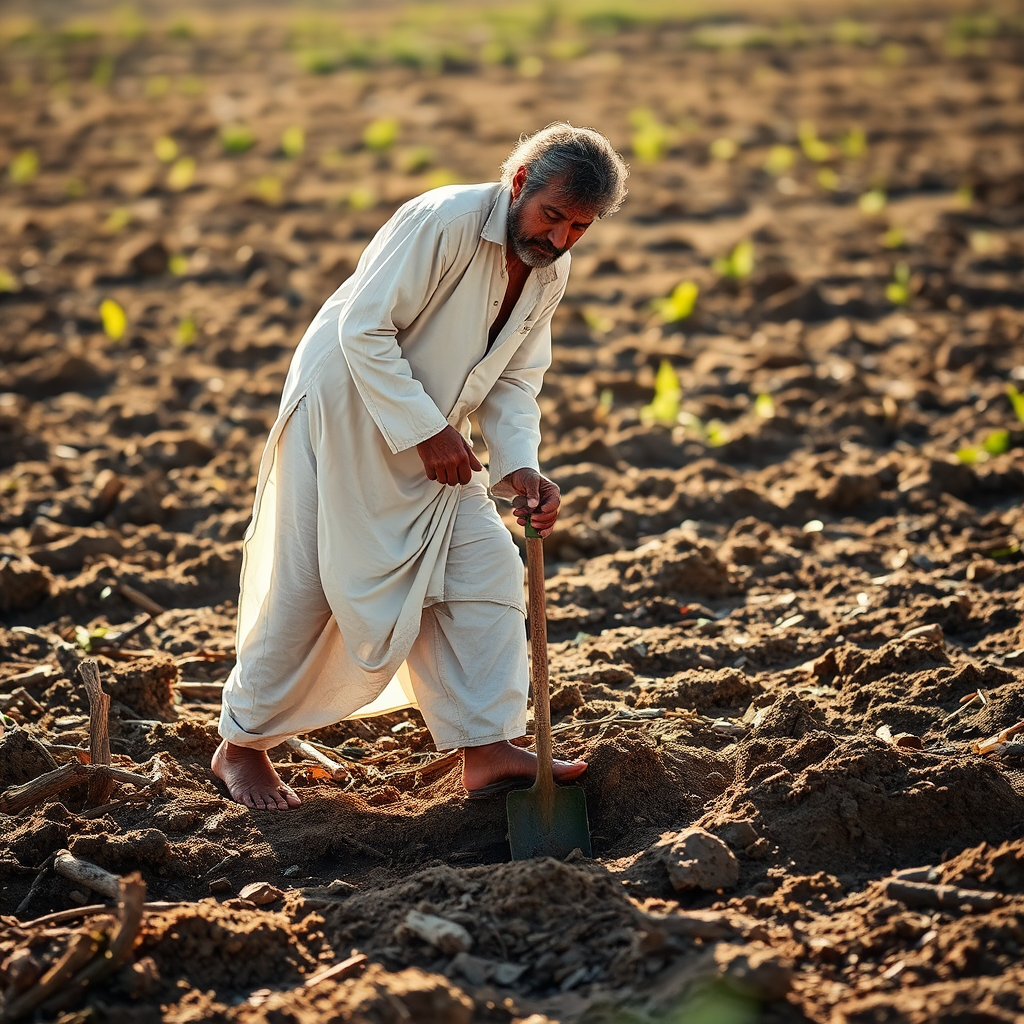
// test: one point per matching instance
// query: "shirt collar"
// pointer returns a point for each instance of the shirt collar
(495, 229)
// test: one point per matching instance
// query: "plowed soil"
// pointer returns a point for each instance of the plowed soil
(769, 606)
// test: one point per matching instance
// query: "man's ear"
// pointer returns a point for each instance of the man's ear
(518, 181)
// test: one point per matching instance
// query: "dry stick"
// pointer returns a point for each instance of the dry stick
(99, 730)
(36, 884)
(133, 901)
(340, 970)
(113, 642)
(338, 771)
(984, 746)
(17, 798)
(92, 876)
(80, 951)
(923, 894)
(147, 604)
(91, 910)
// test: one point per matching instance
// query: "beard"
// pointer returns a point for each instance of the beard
(534, 252)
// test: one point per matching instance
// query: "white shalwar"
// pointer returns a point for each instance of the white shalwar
(358, 571)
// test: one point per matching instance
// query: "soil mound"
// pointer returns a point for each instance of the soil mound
(864, 804)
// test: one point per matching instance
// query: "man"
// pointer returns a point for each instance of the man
(374, 544)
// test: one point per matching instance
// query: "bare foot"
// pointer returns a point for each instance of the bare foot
(496, 762)
(251, 779)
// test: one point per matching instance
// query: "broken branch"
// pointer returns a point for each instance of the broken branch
(92, 876)
(99, 730)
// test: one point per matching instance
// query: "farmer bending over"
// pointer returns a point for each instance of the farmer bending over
(373, 541)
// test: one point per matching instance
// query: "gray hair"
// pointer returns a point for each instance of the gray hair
(581, 160)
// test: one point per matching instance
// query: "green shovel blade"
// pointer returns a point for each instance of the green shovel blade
(547, 825)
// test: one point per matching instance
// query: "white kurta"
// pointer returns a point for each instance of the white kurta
(395, 354)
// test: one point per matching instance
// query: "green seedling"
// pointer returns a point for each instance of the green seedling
(596, 320)
(120, 217)
(443, 176)
(237, 139)
(102, 72)
(416, 160)
(997, 442)
(723, 149)
(8, 282)
(181, 174)
(894, 55)
(828, 179)
(75, 188)
(85, 638)
(165, 149)
(496, 52)
(894, 238)
(739, 264)
(853, 33)
(567, 49)
(531, 66)
(181, 29)
(813, 147)
(764, 406)
(293, 141)
(779, 160)
(178, 265)
(381, 135)
(605, 402)
(23, 169)
(651, 138)
(854, 144)
(680, 304)
(186, 333)
(717, 433)
(964, 196)
(668, 394)
(1008, 551)
(872, 202)
(269, 189)
(115, 323)
(157, 87)
(1016, 400)
(362, 197)
(191, 85)
(897, 291)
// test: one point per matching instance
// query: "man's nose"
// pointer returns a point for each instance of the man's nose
(558, 236)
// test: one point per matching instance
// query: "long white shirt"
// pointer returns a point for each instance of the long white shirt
(395, 354)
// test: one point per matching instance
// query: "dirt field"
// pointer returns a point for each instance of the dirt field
(773, 590)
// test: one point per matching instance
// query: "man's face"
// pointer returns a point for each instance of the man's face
(544, 225)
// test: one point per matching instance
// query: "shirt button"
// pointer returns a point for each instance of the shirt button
(495, 303)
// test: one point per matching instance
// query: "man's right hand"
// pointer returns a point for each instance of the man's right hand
(447, 457)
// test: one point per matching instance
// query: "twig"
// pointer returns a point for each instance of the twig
(115, 641)
(37, 882)
(92, 876)
(201, 691)
(147, 604)
(338, 971)
(923, 894)
(337, 771)
(99, 730)
(80, 951)
(984, 746)
(133, 901)
(17, 798)
(91, 910)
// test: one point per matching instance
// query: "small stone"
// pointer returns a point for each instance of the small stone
(260, 893)
(475, 969)
(738, 833)
(293, 871)
(933, 632)
(446, 935)
(908, 741)
(339, 888)
(695, 859)
(78, 898)
(755, 973)
(219, 886)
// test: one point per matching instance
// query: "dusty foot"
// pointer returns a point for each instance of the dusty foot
(251, 779)
(495, 762)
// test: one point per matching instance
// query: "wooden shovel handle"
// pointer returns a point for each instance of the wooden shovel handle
(539, 660)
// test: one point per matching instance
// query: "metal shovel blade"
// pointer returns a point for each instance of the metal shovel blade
(543, 825)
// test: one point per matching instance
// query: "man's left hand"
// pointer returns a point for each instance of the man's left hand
(535, 495)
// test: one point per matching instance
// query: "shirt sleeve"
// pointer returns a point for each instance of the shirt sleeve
(509, 416)
(401, 272)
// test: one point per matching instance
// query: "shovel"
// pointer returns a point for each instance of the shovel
(545, 820)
